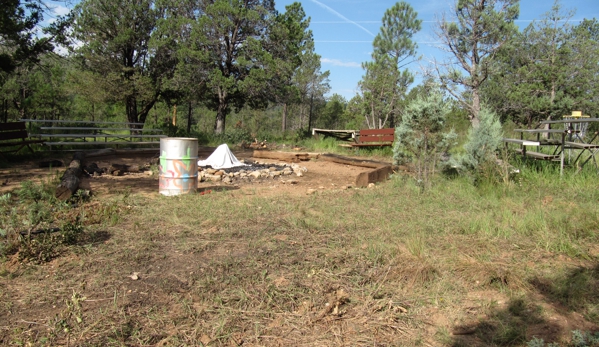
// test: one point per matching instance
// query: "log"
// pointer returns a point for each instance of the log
(71, 178)
(380, 173)
(283, 156)
(351, 161)
(122, 168)
(377, 175)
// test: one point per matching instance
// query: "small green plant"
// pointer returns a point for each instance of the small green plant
(421, 137)
(479, 160)
(579, 339)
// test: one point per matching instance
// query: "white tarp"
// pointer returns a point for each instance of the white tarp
(221, 158)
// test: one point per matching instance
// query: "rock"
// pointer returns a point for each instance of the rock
(277, 173)
(272, 168)
(227, 179)
(147, 173)
(219, 173)
(255, 174)
(210, 171)
(310, 191)
(213, 178)
(371, 185)
(292, 181)
(299, 174)
(287, 172)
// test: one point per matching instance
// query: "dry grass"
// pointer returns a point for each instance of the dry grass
(389, 266)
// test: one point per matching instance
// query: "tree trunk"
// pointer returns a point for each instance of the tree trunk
(221, 113)
(131, 109)
(189, 119)
(474, 119)
(284, 122)
(310, 115)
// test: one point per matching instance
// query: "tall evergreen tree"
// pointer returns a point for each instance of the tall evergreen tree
(547, 71)
(115, 38)
(312, 84)
(480, 29)
(234, 50)
(384, 83)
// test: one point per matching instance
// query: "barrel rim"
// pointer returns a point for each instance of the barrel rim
(179, 138)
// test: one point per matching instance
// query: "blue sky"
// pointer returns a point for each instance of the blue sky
(344, 30)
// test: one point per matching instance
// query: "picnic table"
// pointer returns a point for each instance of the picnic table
(572, 136)
(93, 133)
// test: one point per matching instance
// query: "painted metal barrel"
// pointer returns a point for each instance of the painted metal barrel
(178, 165)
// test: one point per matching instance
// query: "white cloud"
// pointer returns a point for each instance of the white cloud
(60, 10)
(337, 62)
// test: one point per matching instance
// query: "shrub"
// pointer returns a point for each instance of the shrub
(479, 159)
(420, 137)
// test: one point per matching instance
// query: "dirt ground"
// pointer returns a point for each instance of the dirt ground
(320, 175)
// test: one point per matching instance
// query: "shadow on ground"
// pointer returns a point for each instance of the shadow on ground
(573, 291)
(507, 326)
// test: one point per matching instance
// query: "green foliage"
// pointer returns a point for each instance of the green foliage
(480, 160)
(421, 136)
(547, 71)
(20, 44)
(384, 84)
(480, 29)
(579, 339)
(233, 136)
(35, 210)
(119, 57)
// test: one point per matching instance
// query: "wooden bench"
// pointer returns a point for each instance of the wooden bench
(375, 137)
(538, 155)
(14, 134)
(88, 133)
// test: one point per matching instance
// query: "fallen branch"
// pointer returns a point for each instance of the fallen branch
(39, 231)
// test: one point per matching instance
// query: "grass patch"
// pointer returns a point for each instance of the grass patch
(456, 266)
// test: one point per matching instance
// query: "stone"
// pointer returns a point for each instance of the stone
(272, 168)
(210, 171)
(219, 173)
(213, 178)
(299, 174)
(147, 173)
(255, 174)
(310, 191)
(227, 179)
(371, 185)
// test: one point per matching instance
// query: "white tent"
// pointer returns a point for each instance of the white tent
(221, 158)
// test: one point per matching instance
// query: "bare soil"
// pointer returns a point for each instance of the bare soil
(321, 175)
